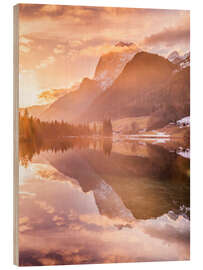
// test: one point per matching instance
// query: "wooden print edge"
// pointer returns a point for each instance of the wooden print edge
(15, 131)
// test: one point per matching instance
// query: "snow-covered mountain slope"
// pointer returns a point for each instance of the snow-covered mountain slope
(173, 57)
(185, 61)
(182, 60)
(110, 204)
(136, 90)
(110, 65)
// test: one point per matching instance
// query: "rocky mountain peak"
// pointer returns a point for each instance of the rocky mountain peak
(173, 55)
(110, 65)
(123, 44)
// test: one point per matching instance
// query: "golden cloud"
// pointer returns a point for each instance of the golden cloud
(39, 10)
(24, 49)
(106, 48)
(52, 9)
(47, 208)
(60, 49)
(44, 63)
(24, 40)
(23, 220)
(24, 224)
(58, 220)
(24, 44)
(62, 43)
(104, 221)
(52, 95)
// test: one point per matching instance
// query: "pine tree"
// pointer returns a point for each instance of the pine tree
(107, 127)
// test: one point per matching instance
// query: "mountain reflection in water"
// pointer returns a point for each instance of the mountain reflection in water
(95, 201)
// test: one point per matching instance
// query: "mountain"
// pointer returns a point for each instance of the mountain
(174, 57)
(123, 185)
(69, 106)
(123, 44)
(175, 101)
(35, 110)
(182, 61)
(110, 65)
(131, 94)
(147, 85)
(185, 61)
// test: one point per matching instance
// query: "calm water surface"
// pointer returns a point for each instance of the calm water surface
(101, 202)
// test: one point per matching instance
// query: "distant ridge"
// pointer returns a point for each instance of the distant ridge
(123, 44)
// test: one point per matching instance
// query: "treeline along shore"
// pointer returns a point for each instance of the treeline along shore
(33, 129)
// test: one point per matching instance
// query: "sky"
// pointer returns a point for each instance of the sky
(60, 45)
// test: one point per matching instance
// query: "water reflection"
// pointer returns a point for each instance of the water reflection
(28, 149)
(96, 201)
(107, 146)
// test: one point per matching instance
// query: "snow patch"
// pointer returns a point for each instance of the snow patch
(184, 153)
(106, 74)
(110, 204)
(184, 121)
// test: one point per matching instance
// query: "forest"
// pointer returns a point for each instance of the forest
(32, 129)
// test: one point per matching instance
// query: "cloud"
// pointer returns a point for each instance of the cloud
(23, 220)
(24, 224)
(52, 11)
(24, 40)
(44, 63)
(59, 49)
(36, 10)
(47, 208)
(167, 229)
(168, 36)
(106, 48)
(75, 43)
(58, 220)
(52, 95)
(76, 36)
(24, 49)
(105, 221)
(24, 44)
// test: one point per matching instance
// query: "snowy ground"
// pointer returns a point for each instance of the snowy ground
(184, 152)
(184, 121)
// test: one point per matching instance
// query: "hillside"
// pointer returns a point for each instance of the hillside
(69, 106)
(175, 101)
(148, 86)
(131, 94)
(35, 110)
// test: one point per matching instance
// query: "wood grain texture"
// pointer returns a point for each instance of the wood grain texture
(15, 132)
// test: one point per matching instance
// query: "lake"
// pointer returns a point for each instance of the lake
(96, 201)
